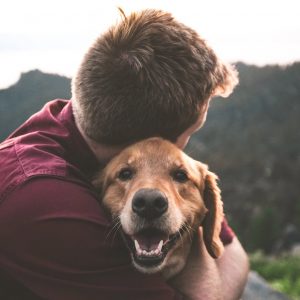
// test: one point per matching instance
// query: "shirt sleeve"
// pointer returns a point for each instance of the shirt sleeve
(57, 242)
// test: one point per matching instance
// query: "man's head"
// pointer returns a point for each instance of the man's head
(148, 75)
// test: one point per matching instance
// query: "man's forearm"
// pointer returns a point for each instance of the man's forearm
(233, 268)
(209, 279)
(200, 278)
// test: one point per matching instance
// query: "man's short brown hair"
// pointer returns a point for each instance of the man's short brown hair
(148, 75)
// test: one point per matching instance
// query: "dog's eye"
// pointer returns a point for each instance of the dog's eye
(125, 174)
(180, 176)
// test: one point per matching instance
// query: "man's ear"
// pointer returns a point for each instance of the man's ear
(214, 217)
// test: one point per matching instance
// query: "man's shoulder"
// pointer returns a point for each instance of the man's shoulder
(38, 153)
(11, 172)
(31, 156)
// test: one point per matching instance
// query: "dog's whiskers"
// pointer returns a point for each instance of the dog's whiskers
(181, 240)
(183, 229)
(113, 230)
(115, 233)
(189, 230)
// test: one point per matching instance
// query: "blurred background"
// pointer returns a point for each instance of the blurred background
(251, 140)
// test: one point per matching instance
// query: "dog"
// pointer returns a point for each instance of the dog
(159, 196)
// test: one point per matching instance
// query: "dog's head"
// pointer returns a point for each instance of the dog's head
(160, 196)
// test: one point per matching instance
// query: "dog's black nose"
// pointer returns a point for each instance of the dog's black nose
(149, 203)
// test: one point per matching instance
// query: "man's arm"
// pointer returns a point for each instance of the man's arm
(210, 279)
(57, 244)
(233, 268)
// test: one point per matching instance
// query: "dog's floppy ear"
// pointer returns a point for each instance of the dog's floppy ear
(214, 217)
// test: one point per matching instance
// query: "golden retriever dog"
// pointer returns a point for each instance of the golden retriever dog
(159, 196)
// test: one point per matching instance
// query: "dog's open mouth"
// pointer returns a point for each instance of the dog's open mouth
(150, 246)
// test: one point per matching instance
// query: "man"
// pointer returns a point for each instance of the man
(147, 76)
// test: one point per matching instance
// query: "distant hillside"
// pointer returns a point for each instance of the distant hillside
(251, 140)
(27, 96)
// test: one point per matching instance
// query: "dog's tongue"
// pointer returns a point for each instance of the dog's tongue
(149, 239)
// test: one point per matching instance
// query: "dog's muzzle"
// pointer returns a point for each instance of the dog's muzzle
(152, 241)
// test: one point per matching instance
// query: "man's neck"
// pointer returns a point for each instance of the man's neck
(103, 152)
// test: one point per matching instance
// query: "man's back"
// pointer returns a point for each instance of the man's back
(55, 238)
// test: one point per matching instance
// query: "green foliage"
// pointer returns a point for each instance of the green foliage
(283, 273)
(263, 231)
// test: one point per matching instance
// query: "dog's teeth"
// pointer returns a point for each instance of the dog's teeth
(137, 246)
(159, 247)
(153, 252)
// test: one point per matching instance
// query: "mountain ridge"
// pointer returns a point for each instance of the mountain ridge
(251, 140)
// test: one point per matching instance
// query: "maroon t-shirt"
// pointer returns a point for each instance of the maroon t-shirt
(55, 240)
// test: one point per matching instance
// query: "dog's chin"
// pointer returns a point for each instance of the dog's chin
(151, 247)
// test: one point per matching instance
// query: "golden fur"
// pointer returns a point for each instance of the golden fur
(191, 203)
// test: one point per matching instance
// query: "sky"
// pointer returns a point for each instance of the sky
(53, 35)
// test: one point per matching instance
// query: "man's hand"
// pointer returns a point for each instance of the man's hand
(208, 279)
